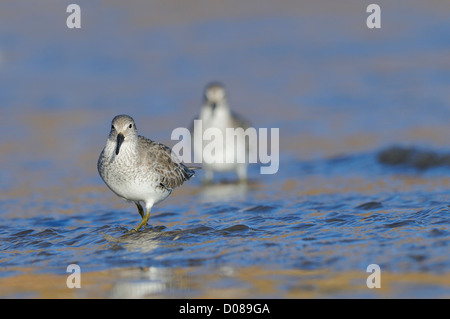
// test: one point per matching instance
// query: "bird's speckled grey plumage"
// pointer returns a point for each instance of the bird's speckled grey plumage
(138, 169)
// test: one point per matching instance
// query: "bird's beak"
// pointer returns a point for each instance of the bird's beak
(120, 139)
(213, 106)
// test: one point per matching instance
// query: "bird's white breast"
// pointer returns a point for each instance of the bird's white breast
(223, 158)
(127, 179)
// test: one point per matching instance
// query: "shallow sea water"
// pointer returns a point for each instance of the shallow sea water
(363, 172)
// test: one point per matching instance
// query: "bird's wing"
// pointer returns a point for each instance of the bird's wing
(240, 121)
(169, 171)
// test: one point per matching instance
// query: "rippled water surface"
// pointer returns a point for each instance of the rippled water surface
(364, 170)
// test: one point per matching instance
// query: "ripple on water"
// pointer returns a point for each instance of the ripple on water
(370, 206)
(261, 209)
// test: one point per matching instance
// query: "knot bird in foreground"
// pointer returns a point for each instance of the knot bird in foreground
(138, 169)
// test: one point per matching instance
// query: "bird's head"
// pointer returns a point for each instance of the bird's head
(123, 130)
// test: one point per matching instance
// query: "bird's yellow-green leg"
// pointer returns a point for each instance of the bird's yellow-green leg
(145, 217)
(141, 210)
(143, 221)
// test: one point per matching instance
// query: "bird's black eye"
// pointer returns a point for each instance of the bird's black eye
(112, 127)
(130, 126)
